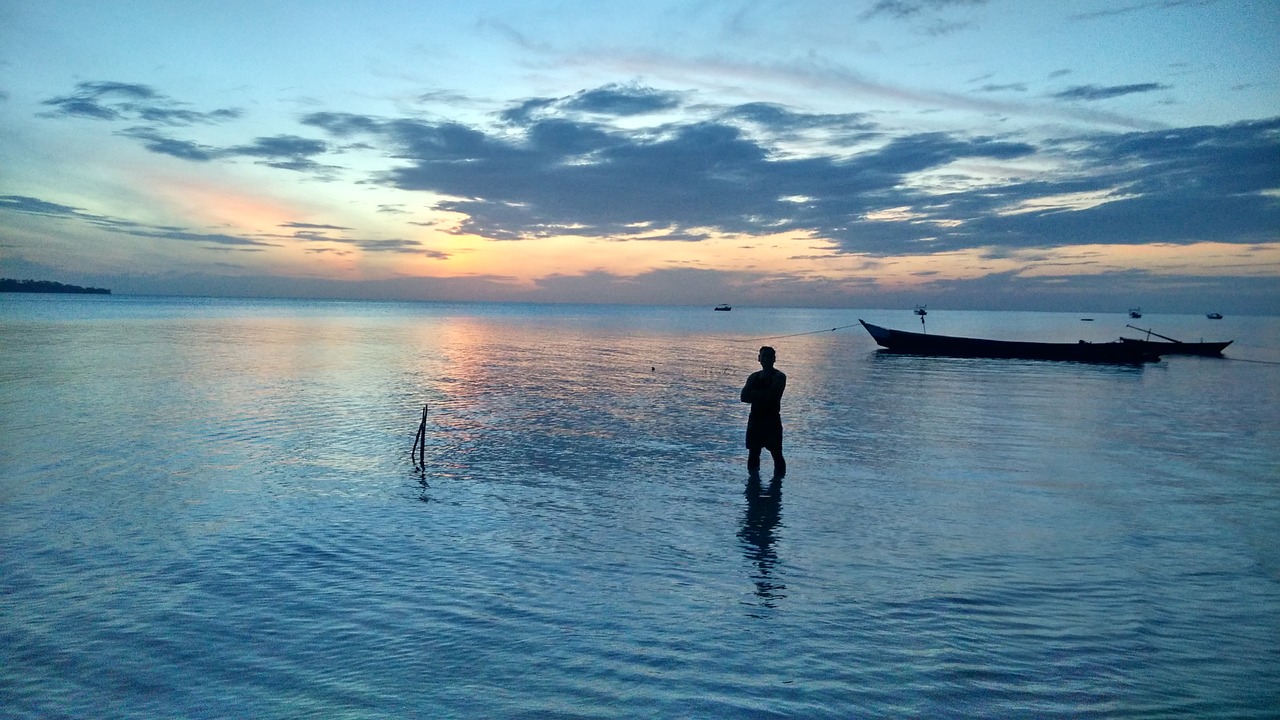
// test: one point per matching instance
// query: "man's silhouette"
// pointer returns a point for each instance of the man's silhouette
(764, 390)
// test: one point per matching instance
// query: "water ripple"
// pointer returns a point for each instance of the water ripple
(217, 516)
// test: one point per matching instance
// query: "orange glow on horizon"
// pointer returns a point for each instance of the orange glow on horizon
(221, 206)
(526, 262)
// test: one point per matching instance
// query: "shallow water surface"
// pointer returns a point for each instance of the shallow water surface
(208, 509)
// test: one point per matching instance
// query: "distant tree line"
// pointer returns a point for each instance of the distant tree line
(47, 286)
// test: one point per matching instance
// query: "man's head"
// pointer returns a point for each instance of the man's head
(767, 356)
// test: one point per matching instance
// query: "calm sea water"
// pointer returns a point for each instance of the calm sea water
(208, 509)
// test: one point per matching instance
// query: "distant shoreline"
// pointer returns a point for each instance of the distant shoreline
(48, 286)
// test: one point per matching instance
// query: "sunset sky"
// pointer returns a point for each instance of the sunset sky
(997, 154)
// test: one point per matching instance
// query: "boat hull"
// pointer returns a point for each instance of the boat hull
(913, 343)
(1179, 348)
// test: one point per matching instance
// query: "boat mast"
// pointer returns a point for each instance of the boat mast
(1150, 333)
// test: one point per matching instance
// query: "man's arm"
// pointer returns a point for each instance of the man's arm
(748, 394)
(760, 389)
(773, 391)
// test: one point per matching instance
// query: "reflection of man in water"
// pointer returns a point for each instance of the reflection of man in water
(759, 533)
(764, 390)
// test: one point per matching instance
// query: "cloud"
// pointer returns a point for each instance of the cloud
(92, 97)
(173, 233)
(904, 9)
(115, 101)
(1178, 186)
(1090, 93)
(312, 226)
(569, 175)
(344, 125)
(35, 206)
(565, 176)
(130, 101)
(163, 145)
(927, 11)
(1139, 7)
(1006, 87)
(288, 152)
(317, 233)
(406, 247)
(837, 82)
(622, 100)
(786, 124)
(615, 100)
(312, 232)
(590, 164)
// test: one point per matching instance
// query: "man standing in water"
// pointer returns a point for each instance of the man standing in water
(764, 428)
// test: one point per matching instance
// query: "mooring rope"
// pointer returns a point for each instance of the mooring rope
(1259, 362)
(779, 337)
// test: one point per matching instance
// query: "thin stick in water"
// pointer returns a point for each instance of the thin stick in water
(420, 442)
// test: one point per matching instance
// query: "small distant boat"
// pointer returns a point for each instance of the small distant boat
(1214, 316)
(1135, 312)
(1086, 319)
(913, 343)
(1175, 347)
(920, 311)
(722, 307)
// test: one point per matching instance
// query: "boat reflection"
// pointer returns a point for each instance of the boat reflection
(758, 535)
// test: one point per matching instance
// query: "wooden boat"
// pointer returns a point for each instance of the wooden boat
(913, 343)
(723, 307)
(1135, 312)
(1175, 347)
